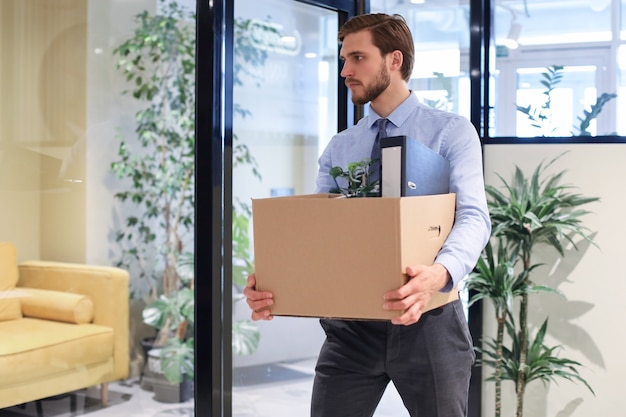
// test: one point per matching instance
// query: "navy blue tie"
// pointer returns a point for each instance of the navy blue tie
(375, 156)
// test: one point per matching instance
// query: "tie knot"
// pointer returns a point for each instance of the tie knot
(382, 127)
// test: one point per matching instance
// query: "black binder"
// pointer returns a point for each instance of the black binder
(410, 168)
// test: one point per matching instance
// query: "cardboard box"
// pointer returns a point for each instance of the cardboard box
(324, 255)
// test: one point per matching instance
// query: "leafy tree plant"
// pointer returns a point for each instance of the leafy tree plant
(541, 117)
(157, 165)
(527, 213)
(157, 162)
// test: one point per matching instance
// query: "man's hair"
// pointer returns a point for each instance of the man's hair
(389, 33)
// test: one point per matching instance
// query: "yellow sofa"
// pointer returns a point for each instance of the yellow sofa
(63, 327)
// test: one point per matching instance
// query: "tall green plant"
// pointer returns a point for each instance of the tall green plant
(156, 164)
(527, 213)
(495, 280)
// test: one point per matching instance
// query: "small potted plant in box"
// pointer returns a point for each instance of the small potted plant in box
(356, 175)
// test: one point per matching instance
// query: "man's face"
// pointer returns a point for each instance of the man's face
(364, 69)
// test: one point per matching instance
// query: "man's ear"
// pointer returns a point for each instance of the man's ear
(396, 60)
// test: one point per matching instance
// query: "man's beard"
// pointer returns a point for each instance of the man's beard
(380, 84)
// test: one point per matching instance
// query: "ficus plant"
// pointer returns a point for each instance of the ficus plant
(526, 214)
(156, 164)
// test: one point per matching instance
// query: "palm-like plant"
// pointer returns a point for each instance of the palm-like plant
(542, 362)
(494, 279)
(529, 212)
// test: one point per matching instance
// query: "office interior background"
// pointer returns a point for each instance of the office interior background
(63, 111)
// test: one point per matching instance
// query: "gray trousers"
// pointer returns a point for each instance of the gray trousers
(429, 363)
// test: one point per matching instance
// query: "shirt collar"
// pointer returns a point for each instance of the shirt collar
(400, 113)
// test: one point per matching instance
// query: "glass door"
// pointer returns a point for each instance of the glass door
(285, 99)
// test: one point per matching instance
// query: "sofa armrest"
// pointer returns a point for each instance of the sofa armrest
(56, 305)
(107, 287)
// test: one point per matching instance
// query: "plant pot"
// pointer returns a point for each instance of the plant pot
(166, 392)
(154, 361)
(147, 343)
(147, 376)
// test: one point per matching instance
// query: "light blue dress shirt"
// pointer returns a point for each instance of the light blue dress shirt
(452, 136)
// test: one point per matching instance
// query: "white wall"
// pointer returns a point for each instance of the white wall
(587, 322)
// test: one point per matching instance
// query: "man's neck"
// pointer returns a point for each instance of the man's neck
(390, 99)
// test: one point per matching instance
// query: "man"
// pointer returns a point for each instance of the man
(428, 356)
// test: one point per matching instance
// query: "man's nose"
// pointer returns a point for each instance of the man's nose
(345, 71)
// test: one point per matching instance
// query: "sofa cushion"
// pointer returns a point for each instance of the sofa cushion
(56, 305)
(9, 302)
(32, 348)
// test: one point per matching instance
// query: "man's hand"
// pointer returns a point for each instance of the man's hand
(414, 296)
(258, 301)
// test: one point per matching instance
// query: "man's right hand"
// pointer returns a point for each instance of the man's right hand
(258, 301)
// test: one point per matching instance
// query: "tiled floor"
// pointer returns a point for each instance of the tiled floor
(284, 390)
(276, 390)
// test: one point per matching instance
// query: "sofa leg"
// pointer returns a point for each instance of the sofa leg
(104, 394)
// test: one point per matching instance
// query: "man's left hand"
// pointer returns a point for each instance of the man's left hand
(413, 297)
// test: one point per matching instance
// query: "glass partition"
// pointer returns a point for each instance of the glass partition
(79, 110)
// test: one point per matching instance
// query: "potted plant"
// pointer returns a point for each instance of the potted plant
(355, 177)
(172, 355)
(529, 212)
